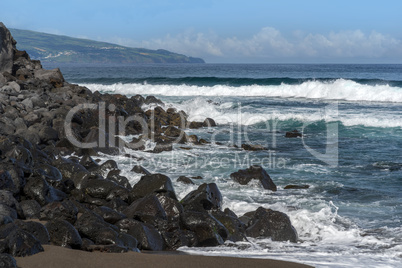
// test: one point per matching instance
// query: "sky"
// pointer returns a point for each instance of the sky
(222, 31)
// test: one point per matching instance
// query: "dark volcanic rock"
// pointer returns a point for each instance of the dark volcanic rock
(244, 176)
(109, 215)
(20, 243)
(148, 237)
(209, 231)
(37, 229)
(206, 197)
(147, 209)
(155, 183)
(140, 169)
(63, 233)
(232, 223)
(292, 186)
(6, 260)
(7, 214)
(38, 189)
(269, 223)
(253, 147)
(209, 122)
(92, 226)
(293, 134)
(185, 180)
(31, 209)
(65, 210)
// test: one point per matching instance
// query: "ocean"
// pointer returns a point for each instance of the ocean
(349, 156)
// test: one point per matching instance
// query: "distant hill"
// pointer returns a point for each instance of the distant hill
(63, 49)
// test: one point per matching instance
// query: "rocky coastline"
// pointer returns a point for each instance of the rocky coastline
(53, 191)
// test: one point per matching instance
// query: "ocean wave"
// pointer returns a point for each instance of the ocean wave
(228, 113)
(339, 89)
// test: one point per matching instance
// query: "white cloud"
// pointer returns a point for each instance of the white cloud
(269, 43)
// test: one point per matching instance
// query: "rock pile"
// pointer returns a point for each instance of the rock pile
(82, 204)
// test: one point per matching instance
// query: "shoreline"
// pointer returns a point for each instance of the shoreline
(60, 257)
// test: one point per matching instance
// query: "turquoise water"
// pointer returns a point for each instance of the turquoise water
(350, 155)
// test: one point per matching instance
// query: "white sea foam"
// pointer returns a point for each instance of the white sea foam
(340, 89)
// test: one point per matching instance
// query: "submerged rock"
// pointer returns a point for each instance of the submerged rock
(293, 134)
(244, 176)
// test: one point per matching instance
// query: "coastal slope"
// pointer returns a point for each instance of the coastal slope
(51, 48)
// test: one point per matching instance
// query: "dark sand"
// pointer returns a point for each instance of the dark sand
(59, 257)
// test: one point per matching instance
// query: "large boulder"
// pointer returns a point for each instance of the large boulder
(20, 243)
(209, 231)
(37, 229)
(244, 176)
(148, 237)
(7, 49)
(65, 210)
(63, 233)
(147, 209)
(153, 184)
(206, 197)
(268, 223)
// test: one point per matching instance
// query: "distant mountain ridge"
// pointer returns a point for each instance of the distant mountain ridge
(53, 48)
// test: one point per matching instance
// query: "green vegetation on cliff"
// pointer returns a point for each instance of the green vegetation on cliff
(64, 49)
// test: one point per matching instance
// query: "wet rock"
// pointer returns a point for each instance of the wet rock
(155, 183)
(65, 210)
(152, 100)
(62, 233)
(253, 147)
(7, 198)
(104, 168)
(185, 180)
(292, 186)
(195, 125)
(293, 134)
(6, 260)
(114, 175)
(92, 226)
(244, 176)
(104, 189)
(209, 231)
(272, 224)
(38, 189)
(147, 209)
(7, 214)
(192, 139)
(232, 223)
(109, 215)
(68, 168)
(117, 204)
(37, 229)
(20, 243)
(172, 208)
(139, 169)
(172, 131)
(50, 173)
(206, 197)
(148, 237)
(209, 122)
(31, 209)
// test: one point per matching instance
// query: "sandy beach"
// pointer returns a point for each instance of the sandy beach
(54, 256)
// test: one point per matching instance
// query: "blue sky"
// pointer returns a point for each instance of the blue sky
(249, 31)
